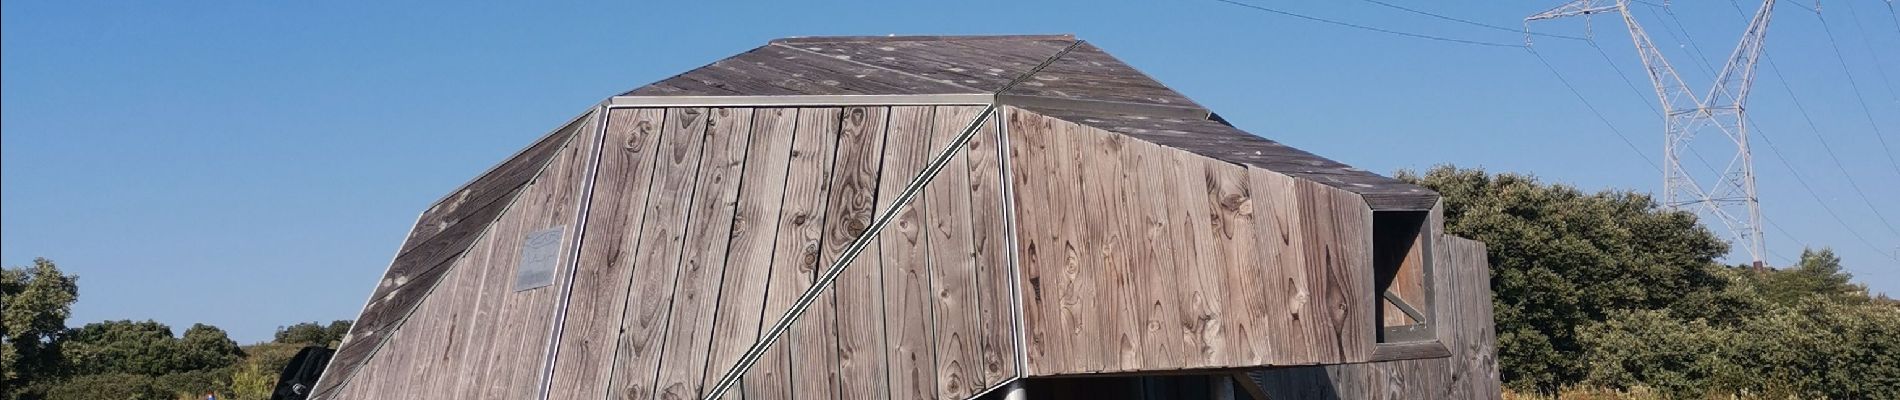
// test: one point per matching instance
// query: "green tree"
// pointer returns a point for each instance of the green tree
(207, 347)
(1819, 273)
(147, 348)
(108, 386)
(313, 334)
(34, 304)
(1562, 258)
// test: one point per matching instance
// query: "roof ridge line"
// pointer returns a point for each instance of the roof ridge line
(1106, 106)
(861, 63)
(918, 38)
(1038, 68)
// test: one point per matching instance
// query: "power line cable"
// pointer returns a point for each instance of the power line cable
(1880, 67)
(1370, 28)
(1593, 108)
(1879, 135)
(1816, 130)
(1468, 22)
(1817, 198)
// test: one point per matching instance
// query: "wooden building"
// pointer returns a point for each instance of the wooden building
(921, 217)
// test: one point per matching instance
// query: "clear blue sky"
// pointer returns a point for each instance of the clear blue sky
(256, 164)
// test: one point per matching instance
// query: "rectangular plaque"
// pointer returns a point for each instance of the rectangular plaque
(540, 251)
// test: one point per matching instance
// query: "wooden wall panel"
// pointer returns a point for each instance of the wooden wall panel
(796, 260)
(599, 294)
(1106, 247)
(990, 233)
(854, 323)
(904, 253)
(688, 333)
(1465, 319)
(637, 358)
(1160, 339)
(755, 224)
(1288, 292)
(1139, 257)
(953, 278)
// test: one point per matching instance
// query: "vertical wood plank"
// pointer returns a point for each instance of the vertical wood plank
(1281, 242)
(860, 335)
(1076, 320)
(1111, 248)
(1245, 300)
(903, 250)
(1202, 295)
(755, 224)
(695, 294)
(1327, 274)
(953, 277)
(994, 277)
(1157, 264)
(796, 261)
(637, 358)
(1039, 250)
(598, 298)
(1360, 324)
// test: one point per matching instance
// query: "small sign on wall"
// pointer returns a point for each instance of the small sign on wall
(540, 251)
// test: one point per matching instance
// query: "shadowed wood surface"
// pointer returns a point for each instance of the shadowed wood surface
(1213, 275)
(1465, 329)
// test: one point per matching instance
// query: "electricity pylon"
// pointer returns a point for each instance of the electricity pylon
(1728, 195)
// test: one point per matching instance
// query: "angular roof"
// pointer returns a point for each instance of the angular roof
(1056, 75)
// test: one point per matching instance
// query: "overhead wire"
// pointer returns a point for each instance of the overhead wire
(1468, 22)
(1369, 28)
(1879, 135)
(1880, 67)
(1815, 129)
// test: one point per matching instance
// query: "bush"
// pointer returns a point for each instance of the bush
(108, 386)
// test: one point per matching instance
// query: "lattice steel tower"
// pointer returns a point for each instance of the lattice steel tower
(1727, 195)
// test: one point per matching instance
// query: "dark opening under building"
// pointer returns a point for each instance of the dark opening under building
(922, 217)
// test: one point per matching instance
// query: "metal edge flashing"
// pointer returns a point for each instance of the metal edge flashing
(970, 99)
(583, 206)
(1005, 171)
(487, 228)
(1104, 106)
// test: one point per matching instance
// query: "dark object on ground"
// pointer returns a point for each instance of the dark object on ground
(301, 374)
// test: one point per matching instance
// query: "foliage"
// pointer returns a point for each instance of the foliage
(253, 381)
(1561, 258)
(147, 348)
(312, 333)
(34, 304)
(108, 386)
(1606, 295)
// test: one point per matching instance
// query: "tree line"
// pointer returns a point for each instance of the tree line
(45, 359)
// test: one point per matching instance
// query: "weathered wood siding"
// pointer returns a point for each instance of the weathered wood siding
(1139, 257)
(1462, 281)
(472, 335)
(706, 223)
